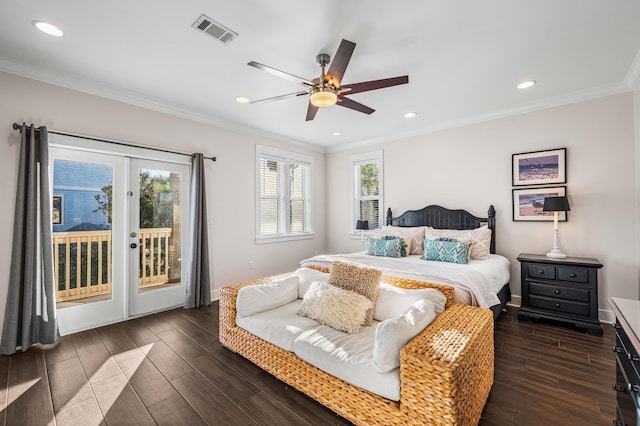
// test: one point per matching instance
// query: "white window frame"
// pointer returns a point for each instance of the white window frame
(355, 162)
(288, 158)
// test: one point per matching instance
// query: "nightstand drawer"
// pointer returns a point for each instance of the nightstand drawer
(559, 305)
(559, 292)
(572, 273)
(546, 272)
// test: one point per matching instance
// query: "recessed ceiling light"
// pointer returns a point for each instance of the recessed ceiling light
(526, 84)
(410, 114)
(337, 133)
(48, 28)
(242, 99)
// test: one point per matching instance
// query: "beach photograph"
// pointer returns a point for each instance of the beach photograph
(541, 167)
(528, 204)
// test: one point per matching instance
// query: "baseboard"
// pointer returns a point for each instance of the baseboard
(215, 295)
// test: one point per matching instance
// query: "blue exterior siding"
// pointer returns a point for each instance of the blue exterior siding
(78, 183)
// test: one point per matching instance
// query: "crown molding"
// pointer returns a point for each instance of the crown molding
(570, 98)
(139, 100)
(633, 75)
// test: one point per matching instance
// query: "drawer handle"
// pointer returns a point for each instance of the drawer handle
(616, 326)
(634, 358)
(633, 388)
(619, 388)
(572, 275)
(557, 305)
(617, 422)
(556, 291)
(541, 272)
(617, 349)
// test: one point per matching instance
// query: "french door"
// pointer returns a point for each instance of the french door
(120, 235)
(158, 237)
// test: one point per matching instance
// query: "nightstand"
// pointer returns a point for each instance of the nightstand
(564, 290)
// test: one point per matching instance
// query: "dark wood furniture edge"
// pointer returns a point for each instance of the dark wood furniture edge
(623, 322)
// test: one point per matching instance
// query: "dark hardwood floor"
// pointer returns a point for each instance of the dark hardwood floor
(170, 369)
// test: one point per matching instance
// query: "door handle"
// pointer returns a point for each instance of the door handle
(133, 245)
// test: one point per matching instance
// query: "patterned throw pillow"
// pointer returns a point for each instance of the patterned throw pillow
(388, 246)
(446, 250)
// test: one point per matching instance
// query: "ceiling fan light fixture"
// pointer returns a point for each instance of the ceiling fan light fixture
(323, 97)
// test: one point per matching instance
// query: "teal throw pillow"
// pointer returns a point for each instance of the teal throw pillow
(446, 250)
(388, 246)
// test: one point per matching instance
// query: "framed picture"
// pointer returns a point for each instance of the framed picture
(528, 203)
(56, 210)
(540, 167)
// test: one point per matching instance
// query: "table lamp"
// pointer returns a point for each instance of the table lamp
(362, 225)
(556, 205)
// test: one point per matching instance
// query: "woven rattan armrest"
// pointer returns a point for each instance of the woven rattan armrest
(450, 364)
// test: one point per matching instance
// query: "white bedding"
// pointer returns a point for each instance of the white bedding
(480, 279)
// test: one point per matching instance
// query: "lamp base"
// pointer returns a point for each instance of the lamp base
(556, 254)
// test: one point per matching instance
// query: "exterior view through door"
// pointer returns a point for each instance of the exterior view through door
(120, 234)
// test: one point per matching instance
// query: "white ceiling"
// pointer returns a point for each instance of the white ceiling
(463, 59)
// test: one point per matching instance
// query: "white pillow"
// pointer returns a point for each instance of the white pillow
(307, 276)
(480, 239)
(393, 301)
(411, 235)
(393, 334)
(253, 299)
(341, 309)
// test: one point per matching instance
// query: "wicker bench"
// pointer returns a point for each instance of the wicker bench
(446, 371)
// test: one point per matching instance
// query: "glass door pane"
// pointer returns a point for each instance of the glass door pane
(89, 288)
(159, 207)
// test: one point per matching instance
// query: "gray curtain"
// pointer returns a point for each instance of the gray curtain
(198, 291)
(30, 316)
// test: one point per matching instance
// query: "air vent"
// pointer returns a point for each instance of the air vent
(214, 29)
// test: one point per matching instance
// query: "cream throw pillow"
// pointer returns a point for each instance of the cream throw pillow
(360, 279)
(394, 301)
(253, 299)
(480, 239)
(341, 309)
(393, 334)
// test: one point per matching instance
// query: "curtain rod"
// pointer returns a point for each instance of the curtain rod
(17, 126)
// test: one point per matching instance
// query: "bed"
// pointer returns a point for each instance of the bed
(483, 283)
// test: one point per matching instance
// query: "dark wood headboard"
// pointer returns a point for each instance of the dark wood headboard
(442, 218)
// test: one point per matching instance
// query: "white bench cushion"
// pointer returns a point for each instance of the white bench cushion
(348, 357)
(279, 326)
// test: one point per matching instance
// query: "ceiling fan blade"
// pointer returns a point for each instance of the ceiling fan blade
(351, 104)
(311, 112)
(340, 61)
(365, 86)
(281, 74)
(277, 98)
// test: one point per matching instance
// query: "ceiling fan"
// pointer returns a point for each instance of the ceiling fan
(328, 90)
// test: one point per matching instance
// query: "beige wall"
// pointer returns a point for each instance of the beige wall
(230, 181)
(470, 167)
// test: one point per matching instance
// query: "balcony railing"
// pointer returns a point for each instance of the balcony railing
(82, 261)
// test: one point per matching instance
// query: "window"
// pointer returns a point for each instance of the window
(283, 206)
(367, 182)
